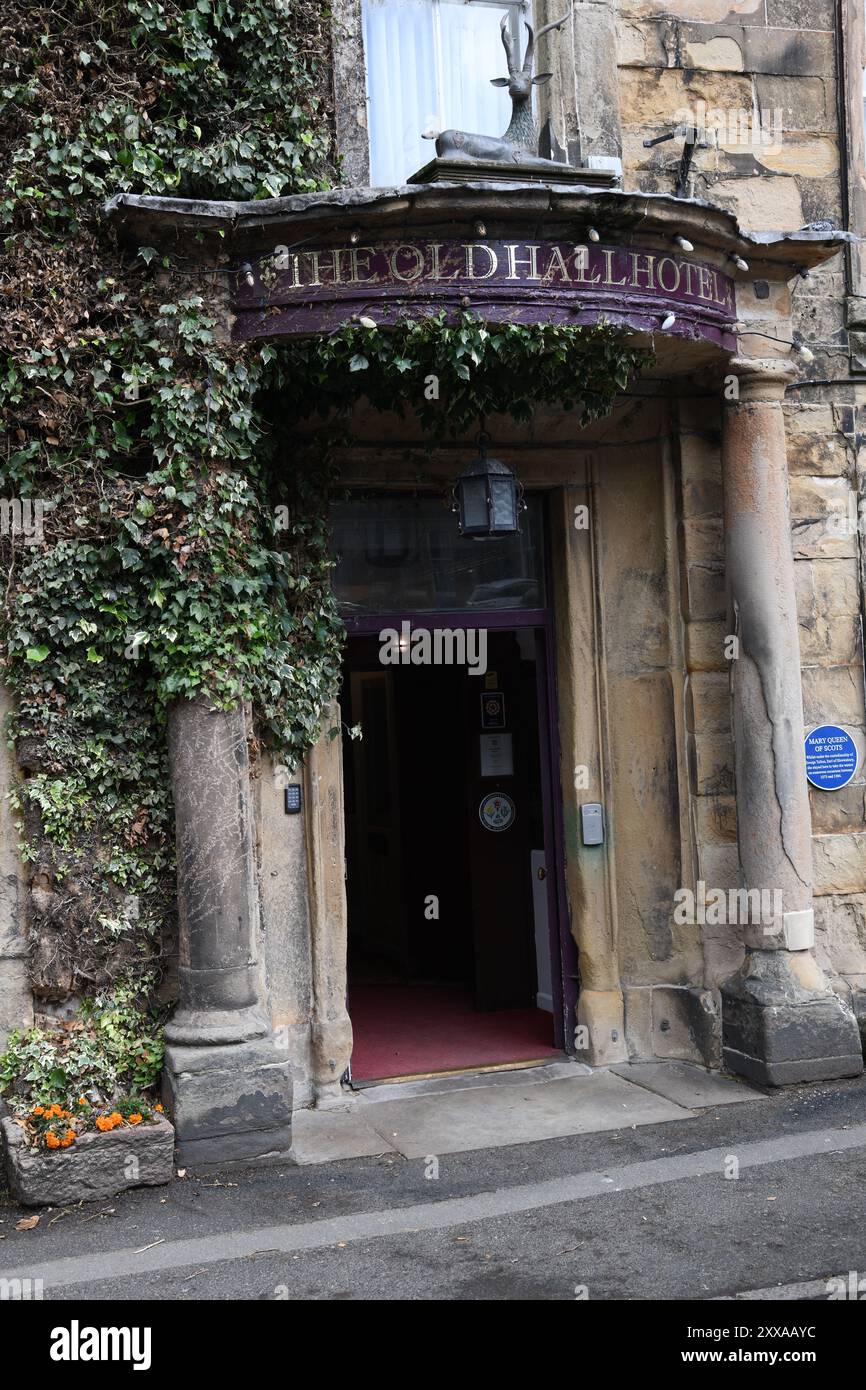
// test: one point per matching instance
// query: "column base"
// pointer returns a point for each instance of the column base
(230, 1105)
(779, 1026)
(215, 1027)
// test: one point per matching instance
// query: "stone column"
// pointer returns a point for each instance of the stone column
(781, 1022)
(227, 1084)
(330, 1027)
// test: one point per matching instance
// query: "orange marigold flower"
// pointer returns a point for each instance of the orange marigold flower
(103, 1123)
(159, 1107)
(51, 1141)
(64, 1143)
(39, 1110)
(82, 1100)
(135, 1119)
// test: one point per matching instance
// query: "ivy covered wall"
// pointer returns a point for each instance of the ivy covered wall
(161, 572)
(185, 546)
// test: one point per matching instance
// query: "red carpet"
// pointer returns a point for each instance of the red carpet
(401, 1030)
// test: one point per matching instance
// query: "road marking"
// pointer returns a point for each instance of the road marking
(807, 1292)
(432, 1216)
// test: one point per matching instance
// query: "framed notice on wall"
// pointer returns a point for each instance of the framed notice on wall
(497, 755)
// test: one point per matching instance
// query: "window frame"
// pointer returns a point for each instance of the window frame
(519, 11)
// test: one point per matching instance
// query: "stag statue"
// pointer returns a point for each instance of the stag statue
(519, 144)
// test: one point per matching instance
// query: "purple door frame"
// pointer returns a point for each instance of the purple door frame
(563, 949)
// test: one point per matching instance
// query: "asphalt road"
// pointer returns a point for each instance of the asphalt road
(634, 1214)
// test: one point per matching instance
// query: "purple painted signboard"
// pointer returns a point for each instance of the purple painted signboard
(313, 289)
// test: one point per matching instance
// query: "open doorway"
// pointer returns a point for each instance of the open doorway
(454, 958)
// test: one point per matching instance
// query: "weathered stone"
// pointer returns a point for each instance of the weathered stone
(756, 297)
(16, 1004)
(802, 104)
(686, 1025)
(840, 934)
(701, 11)
(229, 1104)
(830, 640)
(704, 593)
(719, 53)
(782, 1024)
(713, 764)
(774, 201)
(600, 1012)
(716, 819)
(711, 702)
(820, 452)
(638, 1020)
(839, 863)
(703, 541)
(801, 14)
(705, 646)
(835, 691)
(95, 1167)
(652, 96)
(824, 516)
(700, 465)
(837, 812)
(641, 45)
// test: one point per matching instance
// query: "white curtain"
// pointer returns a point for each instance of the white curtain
(429, 67)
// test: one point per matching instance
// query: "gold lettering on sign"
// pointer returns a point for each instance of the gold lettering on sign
(690, 269)
(417, 270)
(556, 263)
(706, 279)
(666, 260)
(514, 260)
(356, 277)
(435, 269)
(470, 247)
(608, 270)
(581, 266)
(637, 271)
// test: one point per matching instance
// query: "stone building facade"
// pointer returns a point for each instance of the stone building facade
(726, 499)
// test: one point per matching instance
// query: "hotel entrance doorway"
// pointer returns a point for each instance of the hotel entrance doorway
(454, 910)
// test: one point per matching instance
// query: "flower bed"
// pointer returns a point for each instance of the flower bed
(80, 1119)
(95, 1163)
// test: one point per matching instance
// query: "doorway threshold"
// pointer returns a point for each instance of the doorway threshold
(518, 1105)
(523, 1065)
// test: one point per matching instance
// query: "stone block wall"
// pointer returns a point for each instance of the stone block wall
(762, 74)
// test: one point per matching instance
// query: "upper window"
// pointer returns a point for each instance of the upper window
(429, 68)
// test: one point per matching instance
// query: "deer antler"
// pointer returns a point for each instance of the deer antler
(530, 46)
(508, 43)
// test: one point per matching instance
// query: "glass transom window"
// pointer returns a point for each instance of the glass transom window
(406, 555)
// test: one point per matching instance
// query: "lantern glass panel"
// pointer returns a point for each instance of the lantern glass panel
(503, 503)
(472, 493)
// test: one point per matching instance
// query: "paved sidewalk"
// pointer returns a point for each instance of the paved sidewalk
(458, 1114)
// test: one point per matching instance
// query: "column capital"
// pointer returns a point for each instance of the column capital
(762, 379)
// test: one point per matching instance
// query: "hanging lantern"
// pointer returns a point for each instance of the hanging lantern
(488, 498)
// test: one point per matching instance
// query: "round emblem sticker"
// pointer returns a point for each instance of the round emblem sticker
(497, 812)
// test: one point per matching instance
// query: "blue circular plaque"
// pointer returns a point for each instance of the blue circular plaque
(831, 757)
